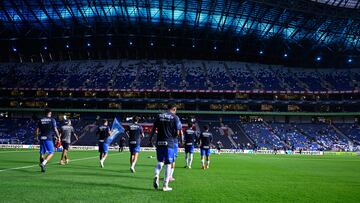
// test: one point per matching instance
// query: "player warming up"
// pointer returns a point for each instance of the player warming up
(135, 133)
(168, 127)
(45, 133)
(103, 132)
(205, 142)
(67, 130)
(189, 142)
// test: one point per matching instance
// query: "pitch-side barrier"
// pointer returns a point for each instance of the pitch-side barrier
(152, 149)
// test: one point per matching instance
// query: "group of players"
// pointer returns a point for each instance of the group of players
(167, 126)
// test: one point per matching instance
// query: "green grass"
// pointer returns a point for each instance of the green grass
(231, 178)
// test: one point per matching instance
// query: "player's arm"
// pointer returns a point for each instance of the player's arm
(73, 131)
(179, 128)
(36, 134)
(55, 129)
(57, 133)
(109, 132)
(198, 141)
(142, 133)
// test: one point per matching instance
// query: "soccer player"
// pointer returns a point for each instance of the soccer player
(205, 142)
(168, 127)
(103, 132)
(135, 133)
(45, 132)
(189, 142)
(121, 144)
(219, 146)
(67, 131)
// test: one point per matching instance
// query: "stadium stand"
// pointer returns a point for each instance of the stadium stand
(192, 75)
(234, 135)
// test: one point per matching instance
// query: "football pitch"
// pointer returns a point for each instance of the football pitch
(231, 178)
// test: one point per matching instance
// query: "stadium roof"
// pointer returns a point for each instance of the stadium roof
(341, 3)
(292, 20)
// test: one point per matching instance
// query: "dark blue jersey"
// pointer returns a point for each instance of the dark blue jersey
(167, 125)
(135, 131)
(47, 127)
(189, 137)
(103, 132)
(205, 139)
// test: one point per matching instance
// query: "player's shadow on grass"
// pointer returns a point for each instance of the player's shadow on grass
(98, 184)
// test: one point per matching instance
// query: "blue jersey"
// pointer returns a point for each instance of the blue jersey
(135, 131)
(167, 124)
(47, 127)
(206, 139)
(103, 132)
(189, 137)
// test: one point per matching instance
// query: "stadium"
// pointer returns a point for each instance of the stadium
(270, 90)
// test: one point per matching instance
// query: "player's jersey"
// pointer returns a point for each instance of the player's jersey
(206, 139)
(135, 132)
(167, 124)
(103, 132)
(46, 126)
(66, 132)
(189, 137)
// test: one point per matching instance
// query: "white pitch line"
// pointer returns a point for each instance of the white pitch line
(10, 169)
(4, 152)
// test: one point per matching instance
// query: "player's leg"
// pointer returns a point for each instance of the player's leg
(202, 154)
(42, 155)
(48, 148)
(169, 160)
(160, 155)
(66, 158)
(136, 155)
(168, 169)
(62, 160)
(131, 156)
(172, 171)
(208, 158)
(103, 149)
(186, 158)
(175, 150)
(191, 154)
